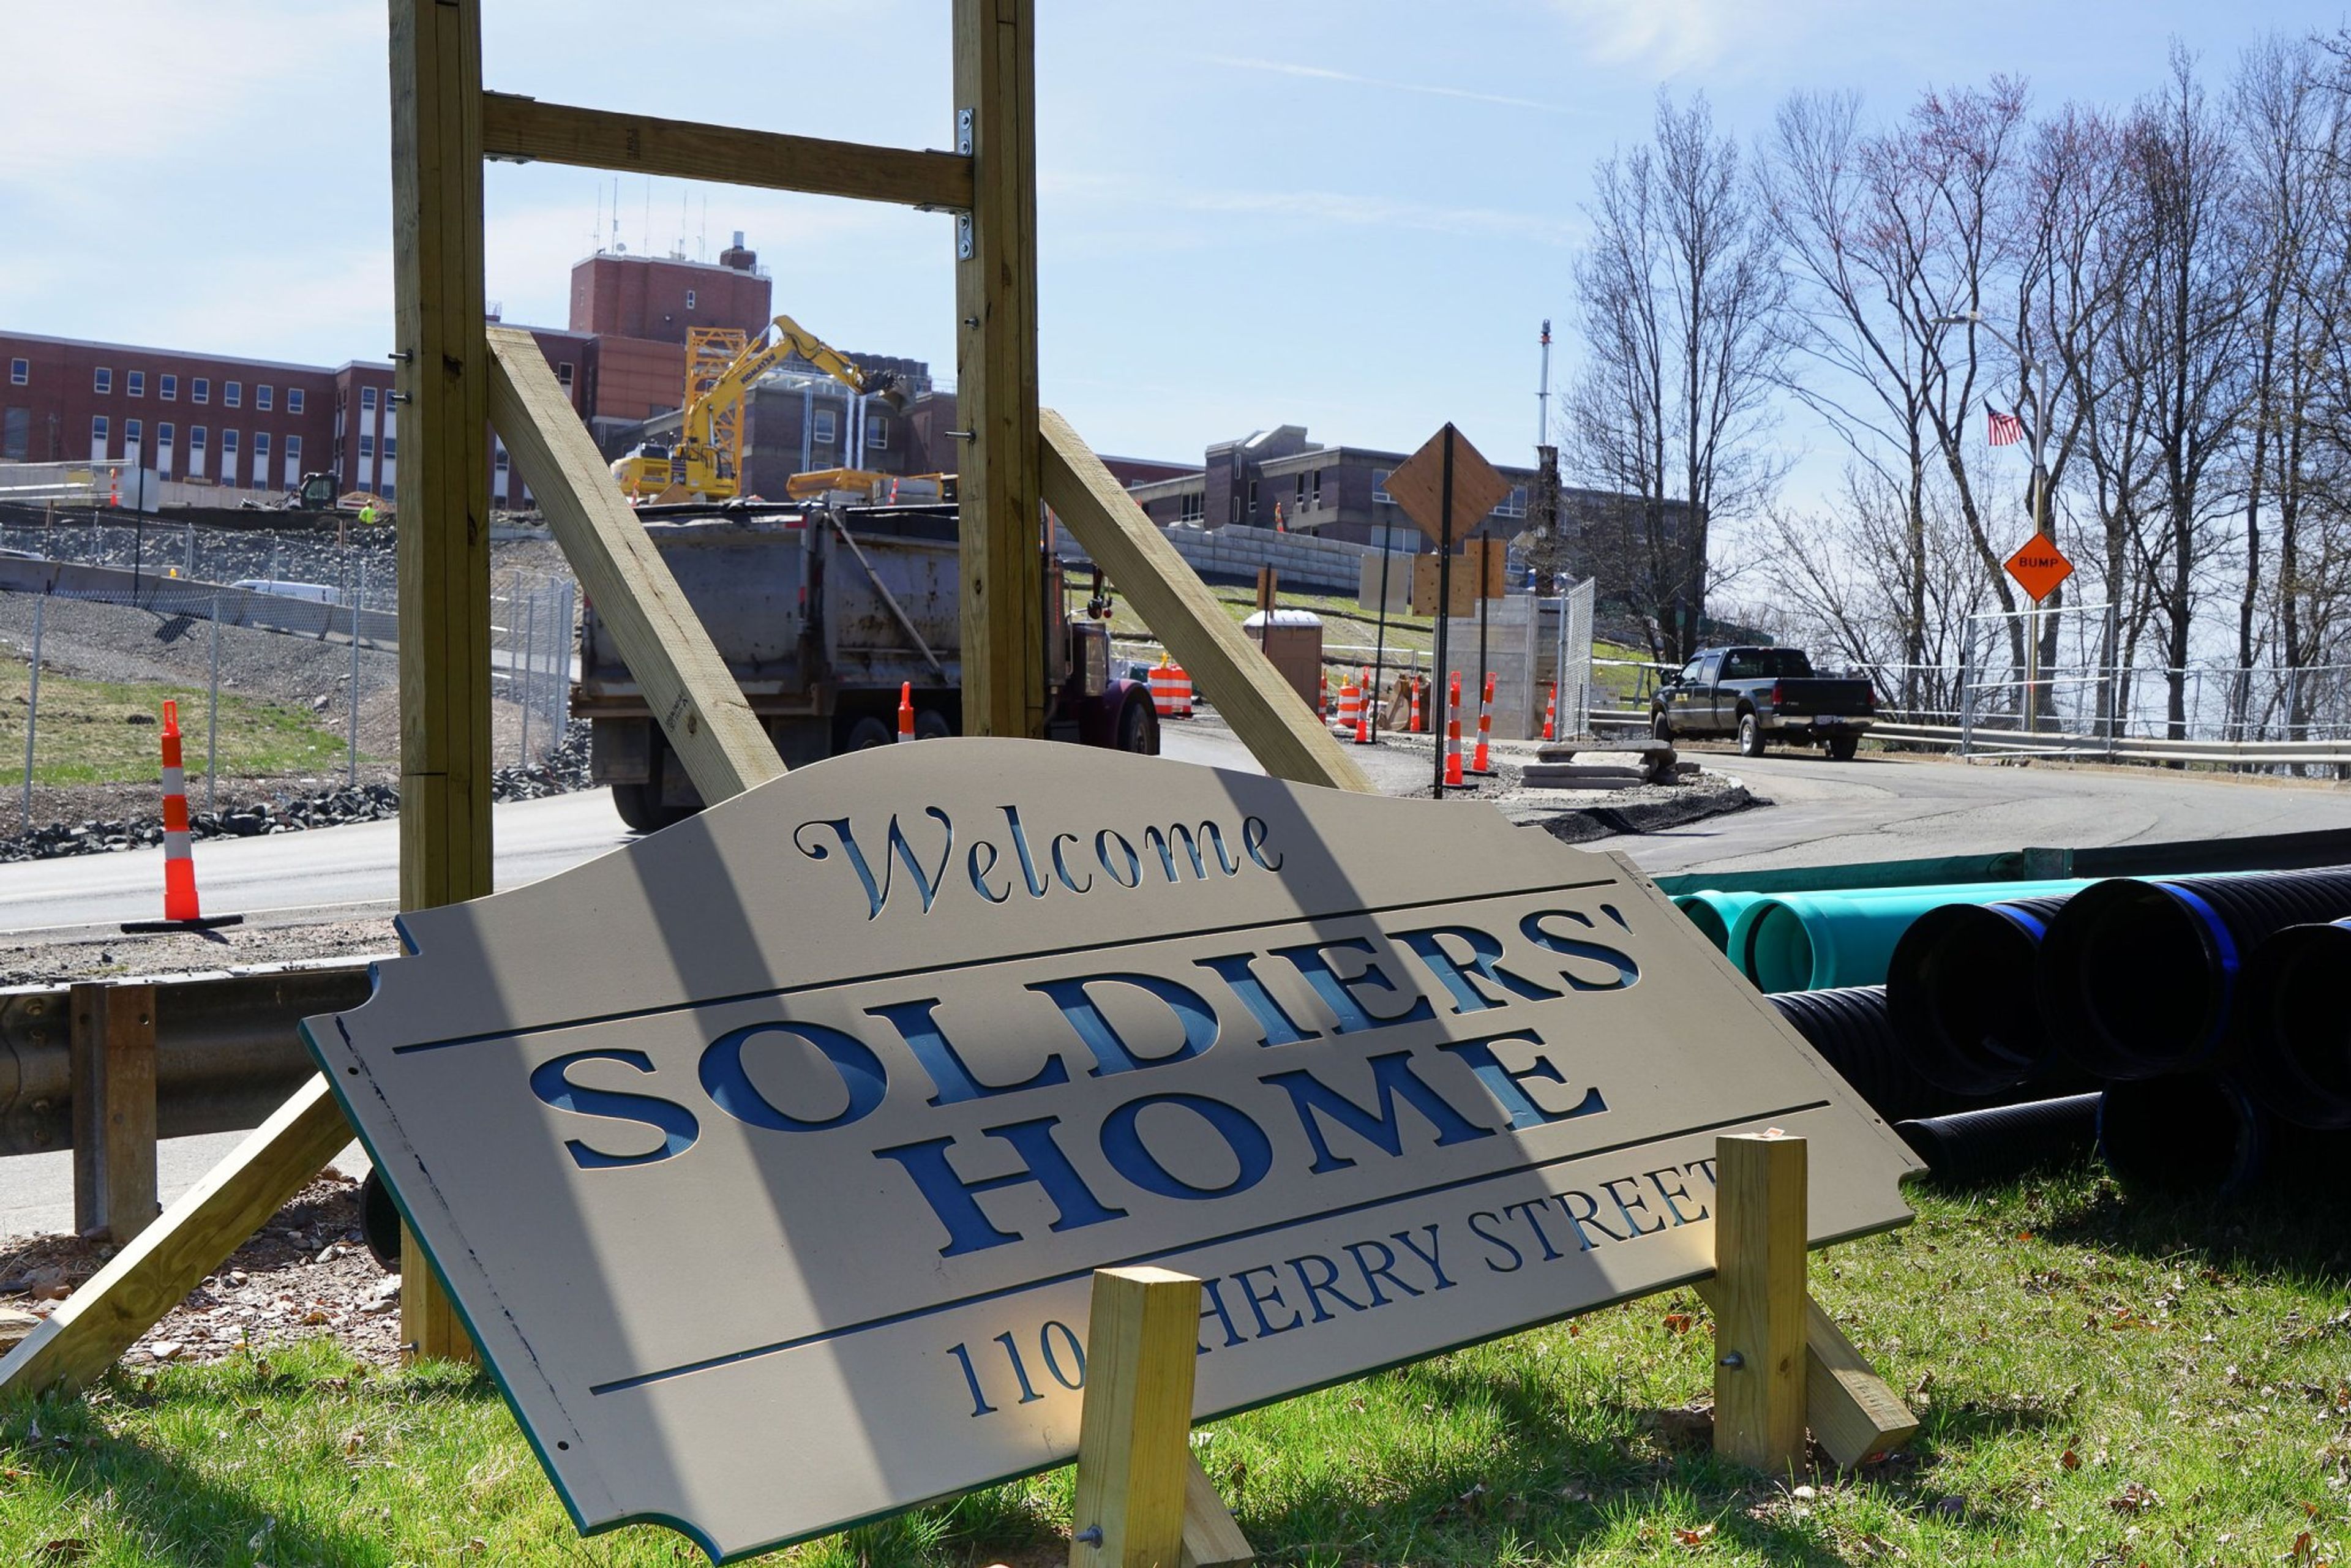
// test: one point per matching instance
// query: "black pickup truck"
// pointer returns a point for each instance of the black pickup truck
(1760, 696)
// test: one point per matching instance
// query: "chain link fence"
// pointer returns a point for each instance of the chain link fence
(280, 648)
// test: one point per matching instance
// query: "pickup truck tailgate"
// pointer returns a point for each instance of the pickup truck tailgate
(1823, 696)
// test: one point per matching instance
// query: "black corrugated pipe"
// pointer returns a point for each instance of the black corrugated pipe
(2296, 1025)
(1958, 989)
(2004, 1141)
(2186, 1134)
(2137, 979)
(1849, 1028)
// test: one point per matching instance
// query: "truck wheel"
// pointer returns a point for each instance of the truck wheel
(1750, 736)
(1842, 746)
(1138, 729)
(868, 732)
(1661, 729)
(930, 724)
(640, 807)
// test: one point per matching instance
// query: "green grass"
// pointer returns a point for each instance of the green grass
(90, 733)
(2101, 1382)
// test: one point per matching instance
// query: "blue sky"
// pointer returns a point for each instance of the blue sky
(1350, 216)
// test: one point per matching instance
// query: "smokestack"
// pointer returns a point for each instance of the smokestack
(736, 257)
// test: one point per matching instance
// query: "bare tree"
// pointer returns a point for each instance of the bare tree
(1679, 296)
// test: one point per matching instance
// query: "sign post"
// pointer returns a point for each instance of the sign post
(1446, 489)
(877, 1064)
(2038, 566)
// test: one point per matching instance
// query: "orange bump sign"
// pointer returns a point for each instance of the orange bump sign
(770, 1157)
(2040, 567)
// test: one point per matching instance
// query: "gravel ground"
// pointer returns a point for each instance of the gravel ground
(309, 1273)
(106, 953)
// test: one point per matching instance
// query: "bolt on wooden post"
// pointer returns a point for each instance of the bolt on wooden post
(1759, 1302)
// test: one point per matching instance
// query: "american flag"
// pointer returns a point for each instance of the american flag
(2004, 429)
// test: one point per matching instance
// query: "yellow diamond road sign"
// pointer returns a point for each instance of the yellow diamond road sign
(1419, 486)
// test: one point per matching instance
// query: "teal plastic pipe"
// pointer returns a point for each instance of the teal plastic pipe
(1812, 941)
(1713, 911)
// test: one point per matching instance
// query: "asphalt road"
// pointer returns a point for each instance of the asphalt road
(1874, 808)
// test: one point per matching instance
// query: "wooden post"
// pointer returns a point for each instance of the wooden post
(1759, 1248)
(76, 1343)
(113, 1073)
(442, 548)
(1142, 1502)
(1004, 609)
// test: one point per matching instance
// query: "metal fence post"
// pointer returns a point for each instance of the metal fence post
(360, 594)
(1965, 699)
(211, 724)
(33, 708)
(522, 675)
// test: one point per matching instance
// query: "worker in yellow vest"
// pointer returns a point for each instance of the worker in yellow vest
(367, 514)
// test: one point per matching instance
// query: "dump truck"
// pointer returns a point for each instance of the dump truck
(822, 615)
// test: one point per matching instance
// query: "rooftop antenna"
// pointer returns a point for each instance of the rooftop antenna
(1542, 391)
(617, 246)
(596, 230)
(646, 227)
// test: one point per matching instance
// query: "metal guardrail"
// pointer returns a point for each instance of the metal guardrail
(1980, 742)
(225, 1048)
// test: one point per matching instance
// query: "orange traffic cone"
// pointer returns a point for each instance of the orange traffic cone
(1364, 711)
(1453, 731)
(905, 711)
(1551, 714)
(1417, 726)
(1481, 763)
(181, 910)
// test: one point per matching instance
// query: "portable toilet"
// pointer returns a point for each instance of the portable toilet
(1292, 639)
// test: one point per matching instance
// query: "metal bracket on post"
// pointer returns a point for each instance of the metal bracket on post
(1143, 1502)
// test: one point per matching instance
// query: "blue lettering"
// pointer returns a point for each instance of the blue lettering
(1061, 867)
(1589, 1217)
(1338, 993)
(1526, 1211)
(1502, 1082)
(1109, 1050)
(1327, 1285)
(1253, 836)
(1518, 1259)
(1216, 1300)
(979, 872)
(551, 1082)
(1627, 1208)
(878, 894)
(1673, 1194)
(1385, 1269)
(1258, 1303)
(955, 1200)
(1627, 971)
(1037, 885)
(1103, 842)
(944, 1063)
(1484, 949)
(1163, 844)
(731, 1089)
(1279, 1027)
(1392, 1075)
(1121, 1145)
(1404, 1238)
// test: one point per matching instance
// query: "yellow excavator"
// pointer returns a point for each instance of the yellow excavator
(692, 463)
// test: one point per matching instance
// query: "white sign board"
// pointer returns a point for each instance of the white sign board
(767, 1158)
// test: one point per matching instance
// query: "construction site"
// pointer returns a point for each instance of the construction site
(549, 873)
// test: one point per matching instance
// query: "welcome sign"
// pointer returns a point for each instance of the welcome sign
(768, 1158)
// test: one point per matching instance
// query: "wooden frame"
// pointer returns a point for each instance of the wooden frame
(112, 1040)
(455, 378)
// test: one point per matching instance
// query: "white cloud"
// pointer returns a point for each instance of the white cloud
(1318, 73)
(1667, 37)
(1322, 206)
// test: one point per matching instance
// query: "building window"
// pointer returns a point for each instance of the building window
(197, 438)
(1317, 492)
(391, 449)
(167, 386)
(1189, 508)
(563, 375)
(19, 372)
(294, 452)
(104, 381)
(689, 299)
(260, 453)
(824, 428)
(1514, 504)
(1380, 487)
(367, 447)
(232, 394)
(388, 491)
(877, 432)
(228, 444)
(163, 437)
(499, 462)
(1298, 502)
(293, 399)
(98, 429)
(1252, 500)
(200, 390)
(367, 400)
(134, 436)
(137, 384)
(264, 397)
